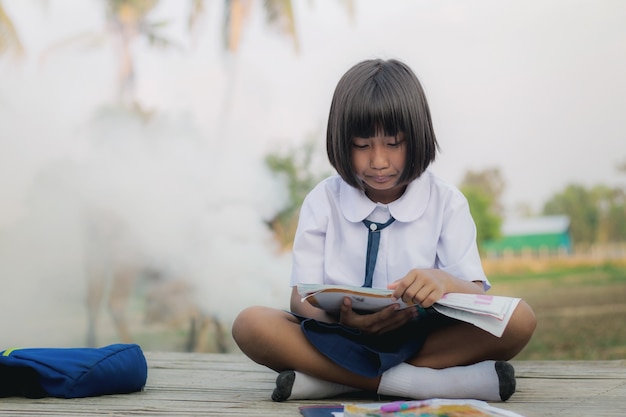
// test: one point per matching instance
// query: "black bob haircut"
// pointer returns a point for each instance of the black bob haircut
(378, 96)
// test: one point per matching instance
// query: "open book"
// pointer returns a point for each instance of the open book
(489, 312)
(431, 408)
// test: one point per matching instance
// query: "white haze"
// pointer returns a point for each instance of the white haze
(535, 88)
(192, 195)
(191, 208)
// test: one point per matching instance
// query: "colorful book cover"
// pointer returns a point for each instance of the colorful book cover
(427, 408)
(320, 410)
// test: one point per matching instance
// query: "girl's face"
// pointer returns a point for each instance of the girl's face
(378, 162)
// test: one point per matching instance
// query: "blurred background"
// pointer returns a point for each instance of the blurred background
(154, 153)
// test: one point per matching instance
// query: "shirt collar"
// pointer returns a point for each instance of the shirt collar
(356, 206)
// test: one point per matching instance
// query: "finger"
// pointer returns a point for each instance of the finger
(399, 288)
(396, 318)
(374, 323)
(345, 311)
(402, 318)
(412, 293)
(427, 297)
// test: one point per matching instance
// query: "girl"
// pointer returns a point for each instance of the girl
(386, 222)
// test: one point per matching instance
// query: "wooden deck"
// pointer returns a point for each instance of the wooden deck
(181, 384)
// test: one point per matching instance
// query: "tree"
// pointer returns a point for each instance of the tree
(610, 203)
(9, 39)
(481, 205)
(576, 202)
(297, 169)
(597, 215)
(278, 15)
(490, 182)
(127, 21)
(483, 190)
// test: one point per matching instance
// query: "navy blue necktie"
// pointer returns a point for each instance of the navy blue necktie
(373, 240)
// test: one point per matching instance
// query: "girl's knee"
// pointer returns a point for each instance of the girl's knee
(244, 324)
(254, 324)
(526, 319)
(522, 325)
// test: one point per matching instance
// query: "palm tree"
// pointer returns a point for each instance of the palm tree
(278, 13)
(127, 21)
(9, 39)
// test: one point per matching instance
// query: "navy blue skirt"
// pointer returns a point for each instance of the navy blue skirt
(371, 355)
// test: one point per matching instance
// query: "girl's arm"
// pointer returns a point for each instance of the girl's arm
(307, 310)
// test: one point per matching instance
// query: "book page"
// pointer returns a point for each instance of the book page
(491, 324)
(490, 313)
(330, 298)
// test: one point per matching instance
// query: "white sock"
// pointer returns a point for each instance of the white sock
(306, 387)
(479, 381)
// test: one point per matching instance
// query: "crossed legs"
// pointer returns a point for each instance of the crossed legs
(273, 338)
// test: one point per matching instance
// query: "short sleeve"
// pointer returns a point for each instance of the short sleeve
(457, 251)
(309, 243)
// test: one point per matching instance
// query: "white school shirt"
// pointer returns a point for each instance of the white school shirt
(433, 229)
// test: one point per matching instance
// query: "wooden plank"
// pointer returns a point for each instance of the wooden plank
(184, 384)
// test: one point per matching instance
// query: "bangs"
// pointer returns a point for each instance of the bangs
(375, 111)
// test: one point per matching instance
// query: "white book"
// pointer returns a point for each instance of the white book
(489, 312)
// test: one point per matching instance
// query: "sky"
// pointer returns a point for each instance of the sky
(534, 88)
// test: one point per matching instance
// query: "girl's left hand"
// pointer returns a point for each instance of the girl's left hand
(383, 321)
(422, 286)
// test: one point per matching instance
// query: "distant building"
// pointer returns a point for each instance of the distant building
(538, 235)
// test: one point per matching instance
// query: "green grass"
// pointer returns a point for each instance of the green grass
(581, 311)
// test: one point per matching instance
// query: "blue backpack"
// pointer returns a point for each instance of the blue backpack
(72, 372)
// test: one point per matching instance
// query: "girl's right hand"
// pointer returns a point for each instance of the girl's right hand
(383, 321)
